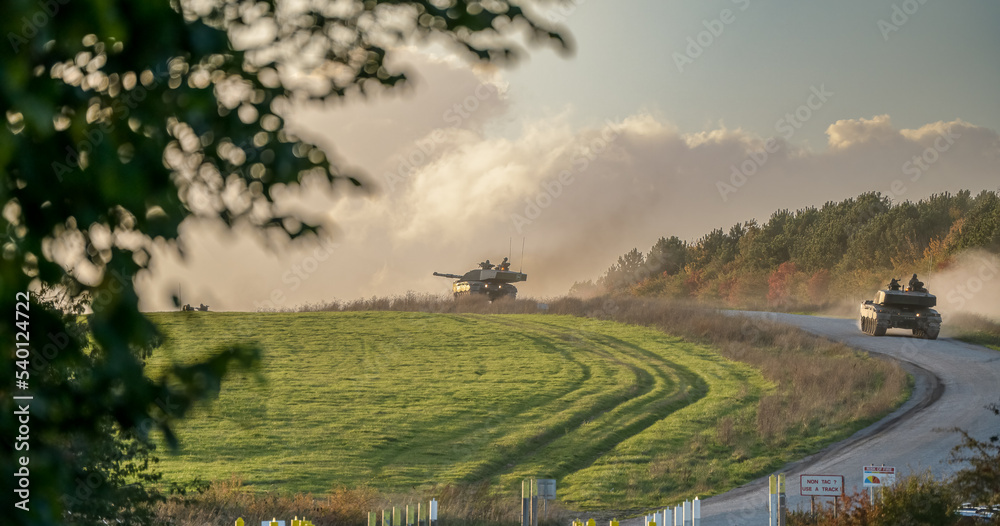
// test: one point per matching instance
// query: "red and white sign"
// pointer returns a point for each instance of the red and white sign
(821, 485)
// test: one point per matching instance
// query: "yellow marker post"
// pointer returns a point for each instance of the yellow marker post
(274, 521)
(239, 521)
(614, 522)
(591, 523)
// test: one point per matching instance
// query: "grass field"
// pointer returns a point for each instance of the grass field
(398, 400)
(623, 416)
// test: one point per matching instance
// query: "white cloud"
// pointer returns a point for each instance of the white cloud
(849, 132)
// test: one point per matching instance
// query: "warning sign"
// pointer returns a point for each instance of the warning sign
(876, 476)
(821, 485)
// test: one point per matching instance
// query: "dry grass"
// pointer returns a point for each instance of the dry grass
(224, 501)
(973, 329)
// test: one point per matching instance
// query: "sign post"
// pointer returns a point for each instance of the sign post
(878, 477)
(813, 486)
(546, 492)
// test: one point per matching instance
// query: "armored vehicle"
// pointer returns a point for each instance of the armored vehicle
(904, 309)
(493, 281)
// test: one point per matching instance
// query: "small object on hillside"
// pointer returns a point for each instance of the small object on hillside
(493, 281)
(188, 308)
(903, 309)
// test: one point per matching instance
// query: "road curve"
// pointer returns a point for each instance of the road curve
(954, 381)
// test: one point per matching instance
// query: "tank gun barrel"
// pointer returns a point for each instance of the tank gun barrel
(453, 276)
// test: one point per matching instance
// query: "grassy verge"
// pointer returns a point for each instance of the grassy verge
(974, 329)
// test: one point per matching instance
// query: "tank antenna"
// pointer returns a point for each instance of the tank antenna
(510, 244)
(522, 256)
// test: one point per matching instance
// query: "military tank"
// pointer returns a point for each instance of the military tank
(909, 308)
(493, 281)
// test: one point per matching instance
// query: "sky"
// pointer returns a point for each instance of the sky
(671, 118)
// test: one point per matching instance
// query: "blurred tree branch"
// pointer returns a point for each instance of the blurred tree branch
(123, 119)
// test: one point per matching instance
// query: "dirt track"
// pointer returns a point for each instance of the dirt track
(953, 382)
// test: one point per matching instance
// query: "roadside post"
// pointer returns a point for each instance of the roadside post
(432, 513)
(534, 502)
(525, 503)
(696, 512)
(776, 500)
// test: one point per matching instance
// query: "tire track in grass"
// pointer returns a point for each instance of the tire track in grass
(666, 388)
(534, 427)
(652, 467)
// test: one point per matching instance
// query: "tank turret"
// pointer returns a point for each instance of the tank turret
(909, 308)
(493, 281)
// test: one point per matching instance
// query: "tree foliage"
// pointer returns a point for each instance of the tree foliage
(124, 119)
(979, 481)
(795, 256)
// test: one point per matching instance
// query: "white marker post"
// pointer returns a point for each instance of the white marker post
(687, 513)
(696, 512)
(772, 500)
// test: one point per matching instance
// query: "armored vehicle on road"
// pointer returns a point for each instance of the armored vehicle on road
(493, 281)
(903, 309)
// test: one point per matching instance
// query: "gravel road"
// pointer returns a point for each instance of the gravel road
(954, 381)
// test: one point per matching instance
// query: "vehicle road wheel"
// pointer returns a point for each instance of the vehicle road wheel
(879, 330)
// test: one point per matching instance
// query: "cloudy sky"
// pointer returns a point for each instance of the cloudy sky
(672, 118)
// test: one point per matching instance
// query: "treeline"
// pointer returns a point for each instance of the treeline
(811, 256)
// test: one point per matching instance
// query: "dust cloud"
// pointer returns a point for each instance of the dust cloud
(969, 285)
